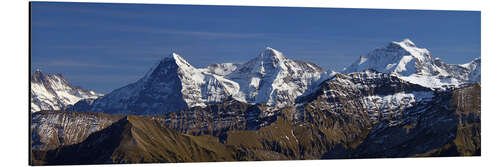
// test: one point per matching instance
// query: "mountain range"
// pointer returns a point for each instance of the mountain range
(396, 101)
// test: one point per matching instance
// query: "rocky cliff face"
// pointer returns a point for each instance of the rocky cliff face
(449, 125)
(217, 119)
(53, 129)
(134, 139)
(379, 96)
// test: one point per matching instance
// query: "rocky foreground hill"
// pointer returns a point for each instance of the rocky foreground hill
(397, 101)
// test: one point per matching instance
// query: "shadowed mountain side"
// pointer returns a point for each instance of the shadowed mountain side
(52, 129)
(134, 140)
(217, 119)
(448, 125)
(451, 127)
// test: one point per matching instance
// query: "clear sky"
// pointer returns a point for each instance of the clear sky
(106, 46)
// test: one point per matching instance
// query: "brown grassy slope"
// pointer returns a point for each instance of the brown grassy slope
(133, 140)
(310, 139)
(151, 141)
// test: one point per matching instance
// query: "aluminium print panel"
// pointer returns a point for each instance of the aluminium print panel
(161, 83)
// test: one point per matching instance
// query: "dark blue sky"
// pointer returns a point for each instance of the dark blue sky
(106, 46)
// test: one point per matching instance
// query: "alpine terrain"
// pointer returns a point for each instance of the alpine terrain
(395, 101)
(173, 84)
(417, 65)
(54, 92)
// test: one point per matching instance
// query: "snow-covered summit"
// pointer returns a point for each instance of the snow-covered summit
(414, 64)
(171, 85)
(273, 79)
(404, 58)
(406, 42)
(270, 53)
(54, 92)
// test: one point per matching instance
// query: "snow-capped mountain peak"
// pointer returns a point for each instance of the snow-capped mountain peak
(271, 53)
(273, 79)
(179, 60)
(54, 92)
(171, 85)
(420, 53)
(406, 42)
(414, 64)
(403, 57)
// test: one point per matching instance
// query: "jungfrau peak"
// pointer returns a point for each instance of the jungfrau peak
(413, 64)
(402, 57)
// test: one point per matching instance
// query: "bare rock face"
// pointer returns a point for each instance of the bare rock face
(378, 96)
(217, 119)
(134, 139)
(449, 126)
(53, 129)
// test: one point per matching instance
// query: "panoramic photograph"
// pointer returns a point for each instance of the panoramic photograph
(117, 83)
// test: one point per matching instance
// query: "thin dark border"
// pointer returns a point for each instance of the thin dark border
(30, 161)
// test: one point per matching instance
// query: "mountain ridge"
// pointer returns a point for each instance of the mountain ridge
(416, 65)
(272, 108)
(270, 78)
(54, 92)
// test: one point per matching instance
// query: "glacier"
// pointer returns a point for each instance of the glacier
(417, 65)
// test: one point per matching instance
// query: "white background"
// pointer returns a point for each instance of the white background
(14, 77)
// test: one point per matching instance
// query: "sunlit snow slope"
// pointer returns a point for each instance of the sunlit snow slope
(416, 65)
(54, 92)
